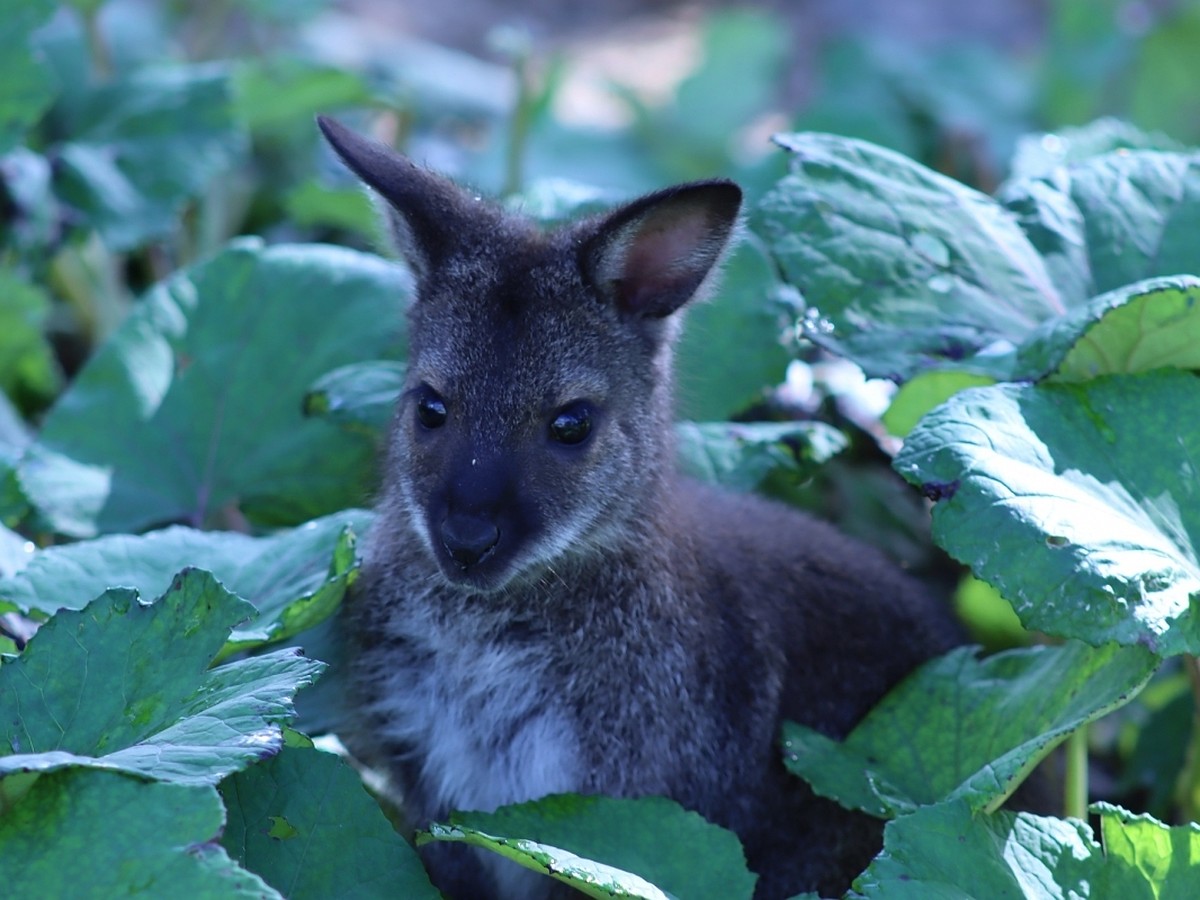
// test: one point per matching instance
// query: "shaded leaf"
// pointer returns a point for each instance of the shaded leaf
(89, 834)
(1058, 476)
(901, 268)
(676, 851)
(193, 407)
(125, 685)
(961, 727)
(1114, 219)
(732, 350)
(304, 822)
(1038, 155)
(25, 88)
(294, 578)
(142, 145)
(743, 455)
(358, 396)
(28, 373)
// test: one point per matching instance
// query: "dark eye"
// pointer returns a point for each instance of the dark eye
(431, 410)
(572, 424)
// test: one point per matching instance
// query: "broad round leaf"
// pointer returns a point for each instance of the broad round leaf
(192, 411)
(83, 833)
(294, 578)
(966, 727)
(141, 146)
(1113, 219)
(126, 685)
(948, 852)
(304, 822)
(1149, 325)
(1060, 477)
(901, 268)
(654, 838)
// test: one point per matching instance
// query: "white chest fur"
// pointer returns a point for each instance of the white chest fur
(483, 717)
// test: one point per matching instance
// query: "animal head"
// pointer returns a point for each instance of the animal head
(535, 419)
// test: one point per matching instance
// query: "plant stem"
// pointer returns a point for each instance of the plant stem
(1075, 794)
(101, 58)
(517, 46)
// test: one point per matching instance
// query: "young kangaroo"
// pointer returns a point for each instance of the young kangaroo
(546, 605)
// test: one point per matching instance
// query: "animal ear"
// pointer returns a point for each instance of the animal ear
(430, 216)
(655, 254)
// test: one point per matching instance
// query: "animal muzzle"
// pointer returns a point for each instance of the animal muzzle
(468, 539)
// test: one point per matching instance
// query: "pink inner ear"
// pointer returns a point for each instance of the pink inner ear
(665, 261)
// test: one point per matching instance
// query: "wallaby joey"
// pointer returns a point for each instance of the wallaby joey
(546, 606)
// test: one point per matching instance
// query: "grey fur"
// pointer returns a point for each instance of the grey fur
(537, 617)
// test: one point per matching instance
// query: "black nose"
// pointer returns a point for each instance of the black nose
(468, 539)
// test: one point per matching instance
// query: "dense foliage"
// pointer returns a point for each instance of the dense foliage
(195, 379)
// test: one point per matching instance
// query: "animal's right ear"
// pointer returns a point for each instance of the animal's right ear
(431, 217)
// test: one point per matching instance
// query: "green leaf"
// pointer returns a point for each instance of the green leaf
(1146, 858)
(25, 87)
(282, 93)
(922, 393)
(946, 852)
(1058, 477)
(28, 373)
(1114, 219)
(1038, 155)
(961, 727)
(1149, 325)
(744, 455)
(192, 411)
(294, 578)
(304, 823)
(89, 834)
(732, 350)
(312, 205)
(676, 851)
(360, 396)
(124, 685)
(142, 146)
(901, 268)
(586, 876)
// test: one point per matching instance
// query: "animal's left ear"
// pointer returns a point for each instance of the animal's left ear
(652, 256)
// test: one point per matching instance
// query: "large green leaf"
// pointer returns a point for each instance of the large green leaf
(965, 727)
(1059, 477)
(901, 268)
(675, 851)
(294, 578)
(947, 852)
(25, 88)
(192, 411)
(89, 834)
(141, 146)
(1149, 325)
(1038, 155)
(1113, 219)
(124, 685)
(304, 822)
